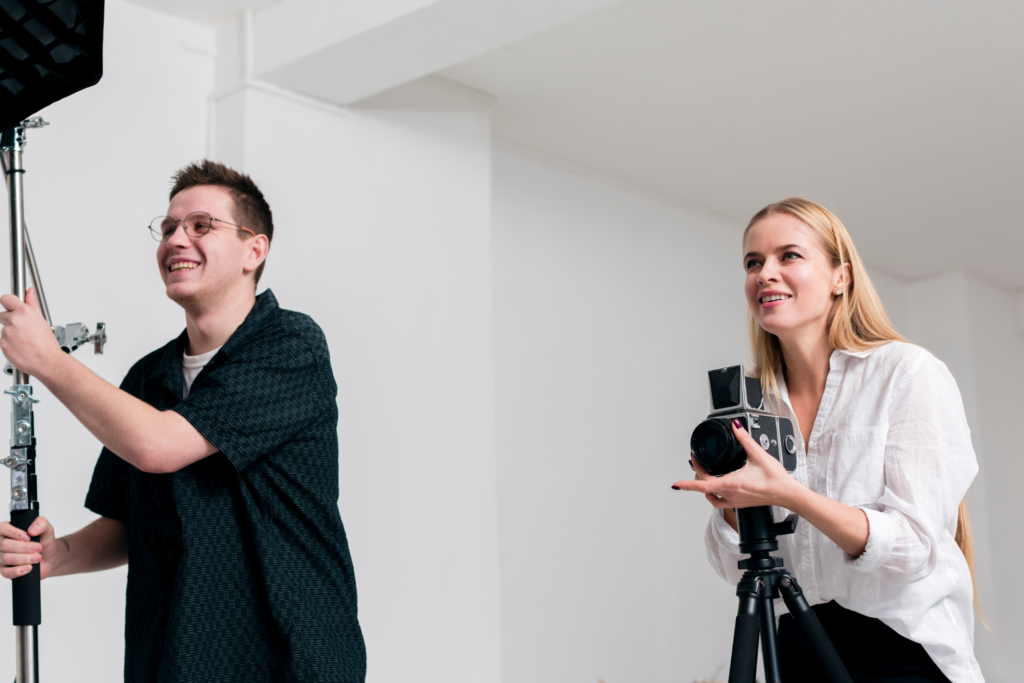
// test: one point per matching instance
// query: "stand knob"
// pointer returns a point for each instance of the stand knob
(786, 526)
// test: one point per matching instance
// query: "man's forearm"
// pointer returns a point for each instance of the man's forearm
(93, 548)
(150, 439)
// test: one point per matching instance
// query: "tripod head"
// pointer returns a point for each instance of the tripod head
(758, 536)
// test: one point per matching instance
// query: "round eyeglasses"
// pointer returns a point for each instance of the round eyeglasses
(196, 225)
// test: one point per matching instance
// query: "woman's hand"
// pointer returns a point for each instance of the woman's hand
(762, 481)
(18, 552)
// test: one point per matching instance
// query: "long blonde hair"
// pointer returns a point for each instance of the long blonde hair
(857, 322)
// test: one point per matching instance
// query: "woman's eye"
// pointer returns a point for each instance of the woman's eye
(752, 263)
(786, 256)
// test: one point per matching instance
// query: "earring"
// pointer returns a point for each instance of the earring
(838, 292)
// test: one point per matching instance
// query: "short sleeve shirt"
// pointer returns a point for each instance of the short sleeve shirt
(238, 565)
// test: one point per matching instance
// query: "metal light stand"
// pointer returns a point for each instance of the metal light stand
(22, 460)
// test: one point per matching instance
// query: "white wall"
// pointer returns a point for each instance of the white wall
(383, 236)
(95, 178)
(609, 308)
(609, 311)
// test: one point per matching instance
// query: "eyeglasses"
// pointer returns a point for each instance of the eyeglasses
(196, 225)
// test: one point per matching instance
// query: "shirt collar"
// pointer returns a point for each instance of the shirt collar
(856, 354)
(170, 363)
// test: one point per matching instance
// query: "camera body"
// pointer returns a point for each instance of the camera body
(734, 396)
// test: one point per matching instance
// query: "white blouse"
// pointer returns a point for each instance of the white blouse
(892, 439)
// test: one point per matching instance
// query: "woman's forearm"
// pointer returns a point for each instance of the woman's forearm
(846, 526)
(98, 546)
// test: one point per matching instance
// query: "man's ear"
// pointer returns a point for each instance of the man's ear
(257, 253)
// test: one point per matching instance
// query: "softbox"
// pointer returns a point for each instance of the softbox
(49, 49)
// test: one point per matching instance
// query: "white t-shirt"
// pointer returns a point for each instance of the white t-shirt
(191, 366)
(891, 438)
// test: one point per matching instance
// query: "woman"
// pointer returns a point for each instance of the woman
(883, 549)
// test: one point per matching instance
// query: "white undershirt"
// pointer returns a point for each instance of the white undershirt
(191, 366)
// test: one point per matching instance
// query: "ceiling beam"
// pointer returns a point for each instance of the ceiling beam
(344, 52)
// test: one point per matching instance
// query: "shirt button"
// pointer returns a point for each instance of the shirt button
(806, 542)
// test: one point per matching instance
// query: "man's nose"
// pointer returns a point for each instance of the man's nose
(179, 237)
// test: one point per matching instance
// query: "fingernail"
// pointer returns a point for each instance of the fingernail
(26, 537)
(36, 558)
(38, 548)
(737, 424)
(25, 570)
(691, 465)
(675, 487)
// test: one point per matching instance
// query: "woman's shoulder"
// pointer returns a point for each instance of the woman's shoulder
(904, 362)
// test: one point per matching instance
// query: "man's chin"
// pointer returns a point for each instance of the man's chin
(184, 294)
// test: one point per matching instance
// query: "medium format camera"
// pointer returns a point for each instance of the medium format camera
(734, 396)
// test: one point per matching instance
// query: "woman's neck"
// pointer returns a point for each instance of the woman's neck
(806, 364)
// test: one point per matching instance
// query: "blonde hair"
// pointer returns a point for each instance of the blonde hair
(857, 322)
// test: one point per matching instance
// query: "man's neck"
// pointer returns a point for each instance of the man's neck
(210, 327)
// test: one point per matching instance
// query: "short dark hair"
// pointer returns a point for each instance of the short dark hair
(251, 209)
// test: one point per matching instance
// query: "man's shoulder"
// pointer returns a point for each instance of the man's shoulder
(292, 327)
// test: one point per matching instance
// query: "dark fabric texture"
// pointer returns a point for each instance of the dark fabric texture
(871, 651)
(238, 565)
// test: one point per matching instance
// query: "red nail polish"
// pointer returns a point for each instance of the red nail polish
(675, 487)
(737, 424)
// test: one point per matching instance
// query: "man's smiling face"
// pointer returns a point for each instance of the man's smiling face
(199, 272)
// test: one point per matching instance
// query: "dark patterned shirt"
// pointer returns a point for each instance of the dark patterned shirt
(238, 566)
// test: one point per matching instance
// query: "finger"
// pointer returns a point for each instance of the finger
(10, 531)
(41, 527)
(697, 485)
(719, 503)
(11, 546)
(17, 559)
(699, 469)
(32, 300)
(15, 572)
(10, 302)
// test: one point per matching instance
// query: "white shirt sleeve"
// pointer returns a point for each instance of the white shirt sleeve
(929, 464)
(723, 546)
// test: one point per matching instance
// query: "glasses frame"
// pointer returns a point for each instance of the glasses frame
(184, 226)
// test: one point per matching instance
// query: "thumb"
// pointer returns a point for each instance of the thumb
(41, 527)
(32, 300)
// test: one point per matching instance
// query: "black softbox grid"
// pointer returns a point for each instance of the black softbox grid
(49, 49)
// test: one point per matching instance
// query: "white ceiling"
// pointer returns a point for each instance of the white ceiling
(202, 11)
(905, 117)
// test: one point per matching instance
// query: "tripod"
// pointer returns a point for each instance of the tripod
(764, 580)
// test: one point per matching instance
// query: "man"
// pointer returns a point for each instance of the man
(218, 481)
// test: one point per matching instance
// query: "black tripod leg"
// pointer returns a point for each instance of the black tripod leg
(807, 622)
(743, 666)
(769, 644)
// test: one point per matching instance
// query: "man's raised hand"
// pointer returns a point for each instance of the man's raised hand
(27, 340)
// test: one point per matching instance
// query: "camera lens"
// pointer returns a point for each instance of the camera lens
(715, 447)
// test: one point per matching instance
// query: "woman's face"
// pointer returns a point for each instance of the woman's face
(790, 281)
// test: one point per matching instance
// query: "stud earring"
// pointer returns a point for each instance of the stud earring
(838, 292)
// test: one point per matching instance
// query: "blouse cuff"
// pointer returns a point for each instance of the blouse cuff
(881, 540)
(723, 533)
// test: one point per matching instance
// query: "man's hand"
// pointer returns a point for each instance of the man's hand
(18, 552)
(27, 339)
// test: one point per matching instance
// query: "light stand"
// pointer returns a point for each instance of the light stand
(22, 459)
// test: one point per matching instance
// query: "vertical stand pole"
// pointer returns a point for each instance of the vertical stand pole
(24, 506)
